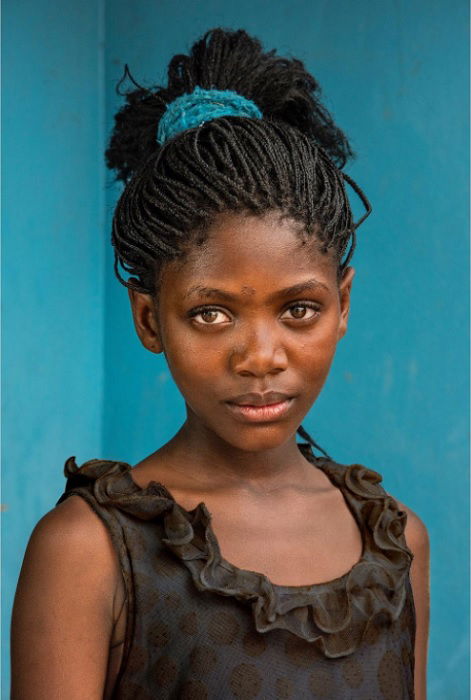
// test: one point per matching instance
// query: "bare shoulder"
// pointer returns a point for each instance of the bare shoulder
(416, 533)
(417, 539)
(72, 530)
(72, 517)
(70, 549)
(62, 617)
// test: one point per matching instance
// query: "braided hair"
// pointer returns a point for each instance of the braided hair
(291, 160)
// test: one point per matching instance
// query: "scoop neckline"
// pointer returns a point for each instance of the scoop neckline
(282, 589)
(334, 615)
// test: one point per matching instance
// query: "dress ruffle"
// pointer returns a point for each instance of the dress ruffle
(336, 615)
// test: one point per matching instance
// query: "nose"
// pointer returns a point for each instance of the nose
(259, 352)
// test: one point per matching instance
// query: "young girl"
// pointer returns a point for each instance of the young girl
(232, 562)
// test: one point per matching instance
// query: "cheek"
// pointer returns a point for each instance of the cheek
(317, 348)
(193, 361)
(314, 359)
(314, 364)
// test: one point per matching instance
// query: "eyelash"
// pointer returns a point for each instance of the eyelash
(306, 304)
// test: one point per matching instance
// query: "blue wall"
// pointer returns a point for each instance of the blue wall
(53, 262)
(395, 75)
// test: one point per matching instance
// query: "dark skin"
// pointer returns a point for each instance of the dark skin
(228, 326)
(272, 510)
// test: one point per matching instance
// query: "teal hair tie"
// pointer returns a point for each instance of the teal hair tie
(200, 106)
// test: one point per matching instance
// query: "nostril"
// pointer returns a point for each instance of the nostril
(259, 361)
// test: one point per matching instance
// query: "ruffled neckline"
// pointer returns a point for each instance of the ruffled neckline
(334, 615)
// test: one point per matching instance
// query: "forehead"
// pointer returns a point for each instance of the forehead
(252, 253)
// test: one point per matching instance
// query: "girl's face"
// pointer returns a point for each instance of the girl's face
(249, 323)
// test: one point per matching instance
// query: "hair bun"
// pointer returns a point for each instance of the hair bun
(225, 59)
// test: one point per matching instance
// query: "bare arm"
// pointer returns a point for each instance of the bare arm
(63, 610)
(418, 542)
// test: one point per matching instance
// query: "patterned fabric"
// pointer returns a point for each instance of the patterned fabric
(200, 106)
(200, 628)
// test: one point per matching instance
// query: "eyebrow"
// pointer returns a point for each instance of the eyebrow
(210, 292)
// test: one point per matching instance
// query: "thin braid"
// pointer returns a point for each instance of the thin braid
(305, 435)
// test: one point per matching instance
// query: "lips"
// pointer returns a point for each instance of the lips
(260, 408)
(267, 413)
(267, 399)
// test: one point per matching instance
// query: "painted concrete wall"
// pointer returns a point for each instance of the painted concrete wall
(77, 381)
(53, 244)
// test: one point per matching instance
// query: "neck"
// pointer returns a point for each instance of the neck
(206, 456)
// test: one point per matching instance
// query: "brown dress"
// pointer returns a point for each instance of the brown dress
(200, 628)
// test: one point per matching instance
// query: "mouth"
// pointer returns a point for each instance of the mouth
(260, 408)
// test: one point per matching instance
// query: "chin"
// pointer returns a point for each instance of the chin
(259, 439)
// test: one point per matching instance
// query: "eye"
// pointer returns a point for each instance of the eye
(209, 316)
(301, 311)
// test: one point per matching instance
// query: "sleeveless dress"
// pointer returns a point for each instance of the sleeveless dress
(199, 628)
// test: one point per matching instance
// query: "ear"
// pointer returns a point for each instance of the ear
(144, 313)
(345, 289)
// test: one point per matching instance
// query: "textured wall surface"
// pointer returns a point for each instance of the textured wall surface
(52, 284)
(394, 75)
